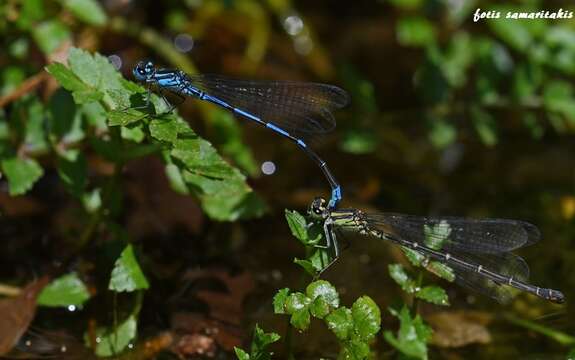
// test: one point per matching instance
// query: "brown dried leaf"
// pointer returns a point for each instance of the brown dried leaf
(20, 205)
(459, 328)
(196, 344)
(226, 336)
(55, 344)
(17, 313)
(150, 348)
(225, 306)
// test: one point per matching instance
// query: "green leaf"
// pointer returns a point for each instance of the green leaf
(50, 35)
(125, 117)
(225, 199)
(359, 142)
(412, 336)
(318, 260)
(35, 138)
(366, 318)
(297, 306)
(244, 204)
(88, 11)
(64, 291)
(10, 78)
(95, 115)
(228, 137)
(127, 275)
(260, 342)
(457, 59)
(165, 129)
(280, 299)
(242, 355)
(354, 350)
(114, 341)
(365, 101)
(558, 97)
(397, 273)
(460, 13)
(201, 158)
(71, 81)
(442, 133)
(81, 92)
(441, 270)
(340, 321)
(437, 234)
(414, 257)
(415, 31)
(300, 319)
(176, 179)
(92, 200)
(485, 126)
(434, 295)
(96, 71)
(297, 225)
(296, 302)
(308, 266)
(319, 308)
(21, 174)
(133, 133)
(325, 290)
(514, 33)
(407, 4)
(31, 12)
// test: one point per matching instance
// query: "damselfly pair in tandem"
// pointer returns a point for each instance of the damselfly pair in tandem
(477, 251)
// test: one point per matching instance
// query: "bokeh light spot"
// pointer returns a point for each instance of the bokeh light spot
(184, 42)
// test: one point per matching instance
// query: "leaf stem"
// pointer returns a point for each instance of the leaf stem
(561, 337)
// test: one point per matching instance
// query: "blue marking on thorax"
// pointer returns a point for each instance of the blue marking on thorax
(168, 82)
(277, 129)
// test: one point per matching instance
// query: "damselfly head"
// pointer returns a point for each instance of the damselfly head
(318, 208)
(144, 70)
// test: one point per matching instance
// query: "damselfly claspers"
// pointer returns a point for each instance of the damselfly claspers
(478, 251)
(297, 111)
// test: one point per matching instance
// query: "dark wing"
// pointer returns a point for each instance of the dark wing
(455, 234)
(301, 108)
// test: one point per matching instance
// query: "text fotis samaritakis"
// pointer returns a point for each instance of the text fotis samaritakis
(522, 15)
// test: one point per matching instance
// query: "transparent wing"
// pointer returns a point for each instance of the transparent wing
(301, 108)
(453, 234)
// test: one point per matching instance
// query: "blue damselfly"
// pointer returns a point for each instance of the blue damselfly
(298, 111)
(477, 251)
